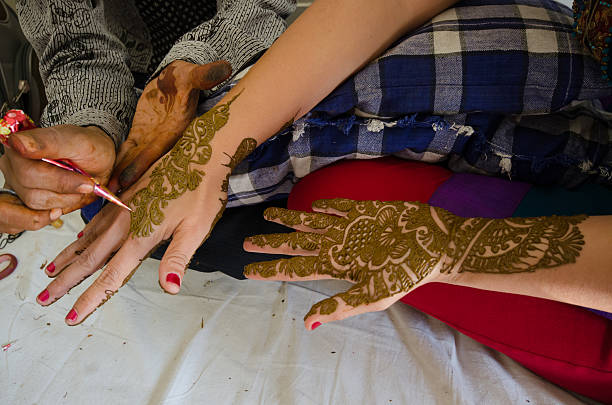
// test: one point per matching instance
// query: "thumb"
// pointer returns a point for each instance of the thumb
(205, 77)
(185, 242)
(61, 142)
(135, 162)
(128, 152)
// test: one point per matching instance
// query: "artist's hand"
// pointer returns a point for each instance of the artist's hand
(164, 110)
(44, 187)
(16, 217)
(385, 248)
(180, 197)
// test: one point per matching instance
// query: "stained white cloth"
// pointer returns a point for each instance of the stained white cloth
(148, 347)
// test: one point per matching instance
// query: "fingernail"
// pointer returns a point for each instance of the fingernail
(72, 315)
(55, 214)
(51, 267)
(85, 188)
(80, 235)
(315, 325)
(43, 296)
(173, 278)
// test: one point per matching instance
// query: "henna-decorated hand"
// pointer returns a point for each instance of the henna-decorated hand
(181, 197)
(389, 248)
(164, 110)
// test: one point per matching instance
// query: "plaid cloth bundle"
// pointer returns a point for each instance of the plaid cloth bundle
(497, 87)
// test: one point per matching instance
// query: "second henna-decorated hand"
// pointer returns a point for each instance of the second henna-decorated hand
(389, 248)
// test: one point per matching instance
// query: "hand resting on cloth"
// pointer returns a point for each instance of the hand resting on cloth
(181, 197)
(389, 248)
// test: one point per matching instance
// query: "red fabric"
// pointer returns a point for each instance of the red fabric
(388, 178)
(565, 344)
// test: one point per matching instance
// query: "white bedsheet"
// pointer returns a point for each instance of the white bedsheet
(147, 347)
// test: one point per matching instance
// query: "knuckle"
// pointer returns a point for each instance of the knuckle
(28, 174)
(33, 200)
(87, 259)
(37, 222)
(176, 260)
(130, 143)
(110, 279)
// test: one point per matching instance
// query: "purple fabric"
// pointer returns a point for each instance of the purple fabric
(472, 195)
(607, 315)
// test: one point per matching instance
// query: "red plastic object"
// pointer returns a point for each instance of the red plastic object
(11, 267)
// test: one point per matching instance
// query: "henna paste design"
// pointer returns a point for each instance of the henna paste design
(178, 172)
(386, 248)
(296, 240)
(245, 148)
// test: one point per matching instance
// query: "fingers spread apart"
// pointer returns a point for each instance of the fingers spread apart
(335, 206)
(294, 243)
(301, 221)
(116, 273)
(294, 269)
(354, 301)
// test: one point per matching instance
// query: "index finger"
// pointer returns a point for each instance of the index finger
(116, 273)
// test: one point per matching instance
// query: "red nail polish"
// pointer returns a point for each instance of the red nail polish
(80, 234)
(173, 278)
(72, 315)
(43, 296)
(315, 325)
(51, 267)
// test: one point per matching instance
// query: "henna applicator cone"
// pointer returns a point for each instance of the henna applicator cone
(17, 120)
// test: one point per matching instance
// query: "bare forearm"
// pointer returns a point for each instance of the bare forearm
(330, 40)
(586, 282)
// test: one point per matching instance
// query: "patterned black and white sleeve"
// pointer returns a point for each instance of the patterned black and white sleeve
(83, 66)
(241, 30)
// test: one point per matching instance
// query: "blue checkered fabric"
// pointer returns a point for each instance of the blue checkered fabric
(497, 87)
(503, 56)
(568, 148)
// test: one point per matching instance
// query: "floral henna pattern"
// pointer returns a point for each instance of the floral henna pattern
(245, 148)
(386, 248)
(515, 245)
(178, 172)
